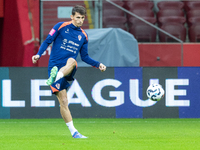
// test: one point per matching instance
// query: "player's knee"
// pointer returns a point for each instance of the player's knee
(71, 61)
(64, 102)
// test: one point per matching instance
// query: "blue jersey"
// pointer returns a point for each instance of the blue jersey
(68, 40)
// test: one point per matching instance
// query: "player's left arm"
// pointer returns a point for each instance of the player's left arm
(87, 59)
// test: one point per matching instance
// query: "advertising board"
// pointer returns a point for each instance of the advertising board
(120, 92)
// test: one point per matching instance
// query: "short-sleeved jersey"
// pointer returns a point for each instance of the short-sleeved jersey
(68, 40)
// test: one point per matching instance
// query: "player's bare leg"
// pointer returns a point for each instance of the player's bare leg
(67, 69)
(66, 114)
(64, 110)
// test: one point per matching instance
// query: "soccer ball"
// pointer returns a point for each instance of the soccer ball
(155, 92)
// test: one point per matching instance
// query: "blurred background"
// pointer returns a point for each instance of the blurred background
(167, 32)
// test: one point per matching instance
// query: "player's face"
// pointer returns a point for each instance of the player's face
(77, 19)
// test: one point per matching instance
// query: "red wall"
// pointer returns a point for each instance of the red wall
(17, 42)
(1, 8)
(11, 44)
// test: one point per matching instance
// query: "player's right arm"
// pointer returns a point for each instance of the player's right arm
(50, 38)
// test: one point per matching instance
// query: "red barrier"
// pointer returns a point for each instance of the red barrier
(191, 54)
(169, 54)
(160, 54)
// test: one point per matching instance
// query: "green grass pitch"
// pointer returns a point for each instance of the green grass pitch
(103, 134)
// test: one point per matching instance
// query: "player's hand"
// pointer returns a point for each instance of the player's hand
(102, 67)
(35, 58)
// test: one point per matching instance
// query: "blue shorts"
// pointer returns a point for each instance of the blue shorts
(63, 83)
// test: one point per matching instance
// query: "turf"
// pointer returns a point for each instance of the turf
(103, 134)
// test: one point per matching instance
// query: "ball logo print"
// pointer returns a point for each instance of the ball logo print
(155, 92)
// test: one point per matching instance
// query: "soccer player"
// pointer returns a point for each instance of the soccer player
(68, 40)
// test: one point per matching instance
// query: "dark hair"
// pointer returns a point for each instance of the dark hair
(79, 9)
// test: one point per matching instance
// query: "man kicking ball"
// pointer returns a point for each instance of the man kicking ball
(68, 40)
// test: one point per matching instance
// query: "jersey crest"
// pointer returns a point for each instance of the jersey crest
(79, 37)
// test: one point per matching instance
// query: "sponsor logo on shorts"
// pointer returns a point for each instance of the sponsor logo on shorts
(58, 86)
